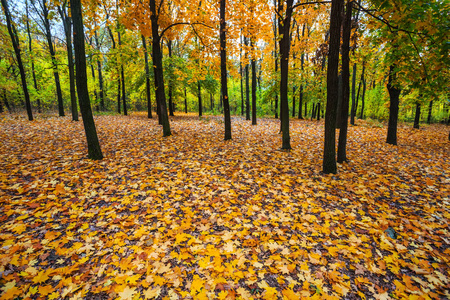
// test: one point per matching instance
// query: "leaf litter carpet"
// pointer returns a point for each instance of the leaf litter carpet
(194, 217)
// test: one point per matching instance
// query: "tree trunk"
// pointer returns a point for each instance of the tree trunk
(67, 24)
(169, 47)
(361, 116)
(122, 76)
(94, 151)
(284, 28)
(48, 35)
(147, 80)
(158, 70)
(30, 49)
(394, 95)
(318, 111)
(306, 108)
(353, 110)
(329, 152)
(247, 83)
(185, 101)
(342, 144)
(119, 84)
(275, 32)
(241, 75)
(199, 96)
(417, 116)
(100, 74)
(313, 111)
(339, 104)
(118, 73)
(15, 41)
(253, 83)
(430, 108)
(223, 71)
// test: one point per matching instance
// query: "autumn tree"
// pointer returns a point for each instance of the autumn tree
(94, 150)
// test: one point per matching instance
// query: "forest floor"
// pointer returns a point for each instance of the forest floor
(193, 216)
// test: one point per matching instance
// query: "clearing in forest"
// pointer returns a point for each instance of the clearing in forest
(193, 216)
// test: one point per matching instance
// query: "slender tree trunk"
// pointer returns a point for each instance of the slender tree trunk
(241, 75)
(430, 108)
(185, 101)
(306, 108)
(118, 72)
(30, 49)
(318, 111)
(353, 110)
(339, 104)
(329, 153)
(48, 35)
(284, 26)
(119, 84)
(122, 76)
(15, 41)
(247, 83)
(95, 89)
(100, 74)
(223, 71)
(394, 96)
(275, 34)
(342, 145)
(199, 96)
(253, 83)
(313, 111)
(169, 47)
(158, 69)
(361, 116)
(147, 79)
(94, 151)
(417, 116)
(67, 24)
(302, 63)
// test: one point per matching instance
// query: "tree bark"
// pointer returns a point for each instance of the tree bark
(329, 153)
(147, 80)
(342, 144)
(15, 41)
(247, 83)
(100, 74)
(417, 116)
(30, 49)
(339, 104)
(318, 111)
(118, 72)
(169, 47)
(284, 28)
(353, 110)
(361, 116)
(67, 24)
(223, 71)
(48, 35)
(199, 96)
(158, 70)
(394, 96)
(241, 75)
(313, 111)
(122, 77)
(94, 151)
(185, 101)
(253, 83)
(275, 32)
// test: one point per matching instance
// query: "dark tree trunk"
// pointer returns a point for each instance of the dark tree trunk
(67, 23)
(302, 63)
(241, 75)
(118, 73)
(122, 76)
(306, 108)
(48, 35)
(247, 83)
(94, 151)
(394, 96)
(169, 47)
(100, 74)
(199, 96)
(417, 116)
(353, 110)
(284, 26)
(329, 152)
(342, 145)
(30, 49)
(147, 80)
(185, 101)
(253, 83)
(158, 70)
(318, 111)
(430, 108)
(211, 102)
(119, 84)
(15, 41)
(339, 104)
(313, 111)
(223, 71)
(294, 90)
(359, 89)
(275, 33)
(361, 115)
(5, 100)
